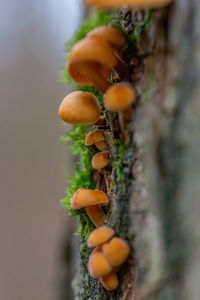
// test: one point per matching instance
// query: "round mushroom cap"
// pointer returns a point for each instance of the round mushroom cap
(100, 236)
(110, 281)
(83, 198)
(116, 251)
(100, 160)
(119, 97)
(94, 137)
(134, 4)
(89, 56)
(98, 266)
(79, 108)
(109, 34)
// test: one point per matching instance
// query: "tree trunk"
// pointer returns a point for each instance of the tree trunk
(156, 201)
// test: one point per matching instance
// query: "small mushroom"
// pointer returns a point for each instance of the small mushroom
(100, 236)
(96, 137)
(110, 281)
(83, 198)
(79, 107)
(116, 39)
(92, 201)
(116, 251)
(98, 265)
(96, 215)
(134, 4)
(88, 60)
(108, 33)
(119, 98)
(100, 160)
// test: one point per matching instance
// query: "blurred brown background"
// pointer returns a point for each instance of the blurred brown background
(34, 164)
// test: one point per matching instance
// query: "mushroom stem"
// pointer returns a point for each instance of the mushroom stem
(96, 215)
(124, 118)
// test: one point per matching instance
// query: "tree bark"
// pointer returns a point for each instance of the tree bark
(156, 204)
(165, 203)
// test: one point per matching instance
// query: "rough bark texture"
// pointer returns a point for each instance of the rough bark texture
(156, 205)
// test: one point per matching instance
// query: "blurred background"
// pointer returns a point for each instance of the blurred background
(34, 164)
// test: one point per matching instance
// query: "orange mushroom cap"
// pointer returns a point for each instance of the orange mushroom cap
(94, 137)
(100, 160)
(119, 97)
(98, 266)
(140, 4)
(110, 281)
(96, 214)
(88, 60)
(109, 34)
(116, 251)
(83, 198)
(79, 107)
(100, 236)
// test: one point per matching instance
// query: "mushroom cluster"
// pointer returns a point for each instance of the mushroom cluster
(91, 62)
(108, 255)
(92, 59)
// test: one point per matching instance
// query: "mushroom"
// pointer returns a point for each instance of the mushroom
(88, 60)
(109, 34)
(92, 201)
(134, 4)
(100, 236)
(98, 265)
(96, 137)
(116, 251)
(116, 39)
(119, 98)
(100, 160)
(110, 281)
(109, 253)
(79, 107)
(83, 198)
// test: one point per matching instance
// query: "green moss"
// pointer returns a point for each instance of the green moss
(144, 24)
(83, 175)
(121, 147)
(84, 171)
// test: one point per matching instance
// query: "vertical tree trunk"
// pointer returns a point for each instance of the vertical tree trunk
(165, 204)
(156, 204)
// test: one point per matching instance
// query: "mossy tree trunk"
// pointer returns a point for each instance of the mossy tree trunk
(156, 203)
